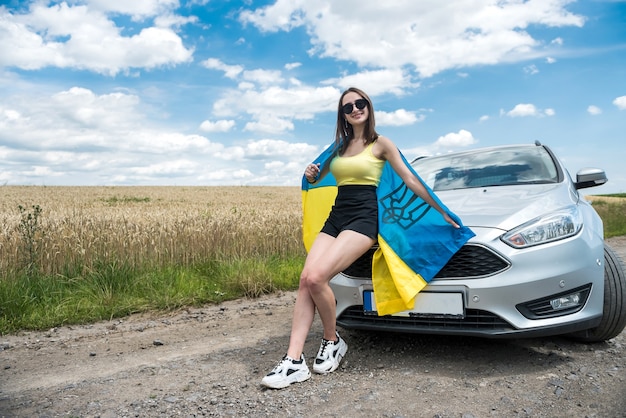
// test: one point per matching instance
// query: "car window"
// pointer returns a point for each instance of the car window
(495, 167)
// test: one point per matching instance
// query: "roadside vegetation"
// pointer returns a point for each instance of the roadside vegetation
(73, 255)
(612, 210)
(79, 254)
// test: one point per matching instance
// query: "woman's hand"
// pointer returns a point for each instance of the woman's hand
(449, 220)
(311, 172)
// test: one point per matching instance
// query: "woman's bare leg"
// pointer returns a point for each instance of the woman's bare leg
(327, 257)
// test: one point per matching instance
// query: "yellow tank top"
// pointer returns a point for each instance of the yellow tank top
(361, 169)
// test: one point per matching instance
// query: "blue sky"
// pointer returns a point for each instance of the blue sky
(202, 92)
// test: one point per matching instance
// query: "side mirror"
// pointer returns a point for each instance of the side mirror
(590, 177)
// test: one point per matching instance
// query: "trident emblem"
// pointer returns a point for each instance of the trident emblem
(403, 207)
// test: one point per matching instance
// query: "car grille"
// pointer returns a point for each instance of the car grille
(471, 261)
(474, 320)
(362, 267)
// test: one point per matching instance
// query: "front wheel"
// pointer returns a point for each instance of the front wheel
(614, 309)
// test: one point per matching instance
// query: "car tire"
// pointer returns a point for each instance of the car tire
(614, 315)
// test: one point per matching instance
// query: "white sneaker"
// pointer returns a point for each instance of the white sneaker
(330, 355)
(288, 371)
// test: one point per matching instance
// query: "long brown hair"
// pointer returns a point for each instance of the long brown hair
(344, 132)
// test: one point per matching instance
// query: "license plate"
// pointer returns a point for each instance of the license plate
(426, 304)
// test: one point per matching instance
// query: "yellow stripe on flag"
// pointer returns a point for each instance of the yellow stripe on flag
(316, 205)
(395, 284)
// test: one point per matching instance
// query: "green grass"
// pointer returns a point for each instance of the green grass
(126, 199)
(112, 290)
(620, 195)
(613, 214)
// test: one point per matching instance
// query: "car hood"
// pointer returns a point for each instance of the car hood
(505, 207)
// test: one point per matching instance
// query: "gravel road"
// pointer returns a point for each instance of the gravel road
(209, 362)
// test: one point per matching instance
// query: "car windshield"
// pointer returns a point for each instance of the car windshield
(482, 168)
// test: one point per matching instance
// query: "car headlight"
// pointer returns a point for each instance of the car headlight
(555, 226)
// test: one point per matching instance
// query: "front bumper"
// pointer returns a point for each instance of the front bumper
(490, 303)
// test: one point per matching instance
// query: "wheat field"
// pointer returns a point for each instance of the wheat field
(146, 226)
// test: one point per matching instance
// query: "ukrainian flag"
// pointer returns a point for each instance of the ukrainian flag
(317, 200)
(414, 241)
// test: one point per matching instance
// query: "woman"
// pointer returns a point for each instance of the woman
(350, 230)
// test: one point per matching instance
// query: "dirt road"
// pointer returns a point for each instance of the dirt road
(209, 362)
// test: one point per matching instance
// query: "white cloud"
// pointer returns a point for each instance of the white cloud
(531, 69)
(527, 109)
(270, 125)
(245, 85)
(266, 161)
(79, 137)
(10, 114)
(400, 117)
(84, 37)
(260, 76)
(41, 172)
(173, 21)
(84, 109)
(274, 165)
(462, 138)
(76, 134)
(217, 126)
(557, 41)
(69, 119)
(220, 176)
(375, 82)
(179, 167)
(230, 71)
(620, 102)
(523, 109)
(594, 110)
(257, 76)
(292, 65)
(443, 144)
(275, 148)
(420, 34)
(242, 174)
(138, 9)
(273, 108)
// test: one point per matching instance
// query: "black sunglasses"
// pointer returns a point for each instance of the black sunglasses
(348, 108)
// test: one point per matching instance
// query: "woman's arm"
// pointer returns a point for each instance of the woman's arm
(386, 149)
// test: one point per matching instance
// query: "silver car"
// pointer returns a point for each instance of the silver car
(537, 266)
